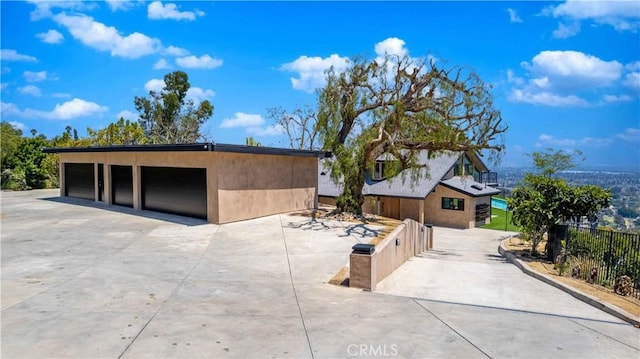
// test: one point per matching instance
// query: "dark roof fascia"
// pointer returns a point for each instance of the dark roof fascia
(391, 196)
(133, 148)
(193, 147)
(465, 192)
(259, 150)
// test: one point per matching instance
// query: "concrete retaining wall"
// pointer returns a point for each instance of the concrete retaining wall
(404, 242)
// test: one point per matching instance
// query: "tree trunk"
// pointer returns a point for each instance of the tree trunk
(351, 199)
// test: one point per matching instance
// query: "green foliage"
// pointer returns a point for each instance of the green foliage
(10, 139)
(550, 162)
(14, 179)
(30, 158)
(627, 212)
(122, 132)
(250, 141)
(607, 249)
(168, 117)
(401, 106)
(542, 200)
(536, 206)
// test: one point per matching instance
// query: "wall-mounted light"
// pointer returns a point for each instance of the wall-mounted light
(397, 241)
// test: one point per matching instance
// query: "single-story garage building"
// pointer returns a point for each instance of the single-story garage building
(218, 182)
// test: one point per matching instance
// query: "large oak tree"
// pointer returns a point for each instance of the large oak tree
(400, 106)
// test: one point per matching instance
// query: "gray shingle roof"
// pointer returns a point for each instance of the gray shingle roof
(400, 185)
(326, 186)
(470, 187)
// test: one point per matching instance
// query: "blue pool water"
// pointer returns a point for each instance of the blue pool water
(499, 203)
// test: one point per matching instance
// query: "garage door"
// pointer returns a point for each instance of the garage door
(79, 180)
(122, 185)
(180, 191)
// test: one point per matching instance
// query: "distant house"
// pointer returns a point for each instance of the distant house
(456, 192)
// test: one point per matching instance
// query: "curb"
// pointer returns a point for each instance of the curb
(593, 301)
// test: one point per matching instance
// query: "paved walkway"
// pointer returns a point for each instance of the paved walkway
(84, 280)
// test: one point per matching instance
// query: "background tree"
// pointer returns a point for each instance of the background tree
(250, 141)
(168, 117)
(542, 200)
(401, 106)
(536, 207)
(300, 126)
(10, 138)
(550, 162)
(122, 132)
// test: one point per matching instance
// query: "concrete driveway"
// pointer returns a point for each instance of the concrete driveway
(83, 280)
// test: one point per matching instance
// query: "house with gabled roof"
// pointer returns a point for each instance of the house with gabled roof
(453, 189)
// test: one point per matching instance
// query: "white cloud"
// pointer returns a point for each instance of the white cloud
(155, 85)
(43, 8)
(123, 5)
(13, 55)
(310, 70)
(272, 130)
(634, 66)
(631, 135)
(565, 31)
(614, 98)
(545, 98)
(9, 109)
(18, 125)
(202, 62)
(175, 51)
(253, 124)
(61, 95)
(30, 90)
(127, 115)
(68, 110)
(512, 78)
(632, 80)
(50, 37)
(621, 15)
(157, 11)
(242, 119)
(107, 38)
(579, 68)
(391, 46)
(161, 64)
(31, 76)
(564, 78)
(545, 140)
(194, 93)
(197, 94)
(513, 15)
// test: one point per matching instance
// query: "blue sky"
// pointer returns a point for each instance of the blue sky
(564, 74)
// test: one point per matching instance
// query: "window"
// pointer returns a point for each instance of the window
(453, 203)
(378, 170)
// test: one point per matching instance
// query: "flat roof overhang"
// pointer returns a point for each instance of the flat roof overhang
(192, 147)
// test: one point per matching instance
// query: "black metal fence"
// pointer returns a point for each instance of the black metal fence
(611, 253)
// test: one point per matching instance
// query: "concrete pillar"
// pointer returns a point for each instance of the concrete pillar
(362, 271)
(137, 187)
(61, 179)
(96, 190)
(107, 184)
